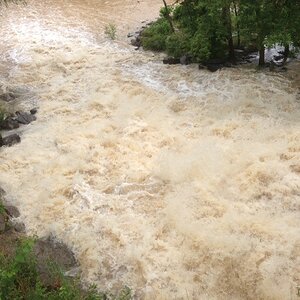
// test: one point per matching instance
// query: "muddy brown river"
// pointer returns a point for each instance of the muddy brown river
(179, 183)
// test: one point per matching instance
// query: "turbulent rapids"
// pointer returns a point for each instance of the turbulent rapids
(178, 183)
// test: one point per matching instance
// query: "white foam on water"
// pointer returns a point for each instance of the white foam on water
(179, 183)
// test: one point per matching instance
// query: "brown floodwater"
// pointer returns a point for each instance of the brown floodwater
(179, 183)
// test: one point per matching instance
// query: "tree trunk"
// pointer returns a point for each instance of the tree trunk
(228, 26)
(168, 16)
(237, 26)
(262, 55)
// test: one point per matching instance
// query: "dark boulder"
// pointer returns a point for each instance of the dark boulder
(24, 118)
(11, 140)
(171, 61)
(1, 144)
(9, 123)
(54, 252)
(136, 42)
(214, 65)
(12, 211)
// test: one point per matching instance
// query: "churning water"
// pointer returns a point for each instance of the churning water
(179, 183)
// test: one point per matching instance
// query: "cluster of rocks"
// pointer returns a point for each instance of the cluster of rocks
(14, 121)
(136, 37)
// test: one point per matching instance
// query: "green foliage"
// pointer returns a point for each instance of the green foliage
(154, 37)
(111, 31)
(19, 280)
(18, 276)
(177, 44)
(208, 29)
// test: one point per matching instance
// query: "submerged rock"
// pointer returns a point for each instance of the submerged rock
(11, 140)
(7, 97)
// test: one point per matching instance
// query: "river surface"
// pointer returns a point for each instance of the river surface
(179, 183)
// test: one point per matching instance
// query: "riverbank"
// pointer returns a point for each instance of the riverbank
(39, 268)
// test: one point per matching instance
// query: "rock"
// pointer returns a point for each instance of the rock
(278, 57)
(9, 123)
(2, 223)
(185, 60)
(49, 250)
(130, 34)
(201, 67)
(12, 211)
(136, 42)
(7, 97)
(73, 272)
(24, 118)
(1, 144)
(11, 140)
(214, 68)
(214, 65)
(19, 227)
(33, 111)
(171, 61)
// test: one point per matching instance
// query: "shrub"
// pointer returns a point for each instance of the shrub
(111, 31)
(177, 44)
(154, 37)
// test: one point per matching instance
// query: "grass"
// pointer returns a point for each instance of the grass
(111, 31)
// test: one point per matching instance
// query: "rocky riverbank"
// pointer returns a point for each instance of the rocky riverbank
(275, 59)
(10, 122)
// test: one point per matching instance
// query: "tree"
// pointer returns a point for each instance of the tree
(270, 22)
(207, 28)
